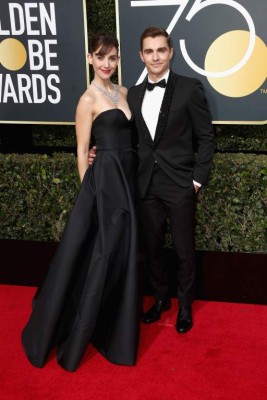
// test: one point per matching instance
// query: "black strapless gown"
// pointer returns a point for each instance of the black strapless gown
(90, 293)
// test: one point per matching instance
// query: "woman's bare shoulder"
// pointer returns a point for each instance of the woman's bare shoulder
(87, 98)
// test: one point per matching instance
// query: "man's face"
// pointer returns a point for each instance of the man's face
(156, 55)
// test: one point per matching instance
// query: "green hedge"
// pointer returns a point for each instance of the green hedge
(232, 209)
(37, 193)
(53, 135)
(228, 137)
(101, 16)
(241, 137)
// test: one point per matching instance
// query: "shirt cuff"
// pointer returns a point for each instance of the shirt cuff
(197, 183)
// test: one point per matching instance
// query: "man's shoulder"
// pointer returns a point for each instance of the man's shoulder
(187, 84)
(187, 80)
(134, 92)
(135, 88)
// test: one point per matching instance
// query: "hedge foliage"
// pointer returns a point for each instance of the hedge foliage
(241, 138)
(53, 135)
(232, 209)
(228, 137)
(37, 193)
(101, 16)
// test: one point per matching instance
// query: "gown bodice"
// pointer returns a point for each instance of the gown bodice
(112, 130)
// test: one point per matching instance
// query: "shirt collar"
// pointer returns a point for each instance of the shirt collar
(165, 76)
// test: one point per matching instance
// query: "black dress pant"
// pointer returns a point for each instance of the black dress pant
(165, 199)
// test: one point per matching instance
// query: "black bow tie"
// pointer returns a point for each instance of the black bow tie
(150, 86)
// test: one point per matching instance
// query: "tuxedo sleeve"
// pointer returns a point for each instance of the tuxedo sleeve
(203, 132)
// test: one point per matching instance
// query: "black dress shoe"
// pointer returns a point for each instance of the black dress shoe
(184, 319)
(154, 313)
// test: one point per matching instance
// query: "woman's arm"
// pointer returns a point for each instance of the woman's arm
(84, 120)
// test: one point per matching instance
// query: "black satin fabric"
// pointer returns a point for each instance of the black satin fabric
(91, 291)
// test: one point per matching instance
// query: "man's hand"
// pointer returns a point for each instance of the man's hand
(92, 155)
(196, 188)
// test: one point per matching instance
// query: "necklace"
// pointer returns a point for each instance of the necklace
(113, 97)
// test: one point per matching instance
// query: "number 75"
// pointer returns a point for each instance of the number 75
(198, 6)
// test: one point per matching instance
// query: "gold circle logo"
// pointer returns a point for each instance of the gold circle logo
(225, 52)
(13, 54)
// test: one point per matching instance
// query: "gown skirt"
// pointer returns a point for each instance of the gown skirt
(90, 294)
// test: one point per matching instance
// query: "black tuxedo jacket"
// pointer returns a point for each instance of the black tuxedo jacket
(184, 141)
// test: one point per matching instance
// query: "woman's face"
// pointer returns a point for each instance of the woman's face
(104, 65)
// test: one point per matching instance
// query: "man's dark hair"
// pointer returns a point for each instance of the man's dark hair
(154, 31)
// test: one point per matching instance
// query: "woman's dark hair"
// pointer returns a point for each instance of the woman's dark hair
(154, 31)
(104, 42)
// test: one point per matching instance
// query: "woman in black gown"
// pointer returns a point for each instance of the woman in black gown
(90, 294)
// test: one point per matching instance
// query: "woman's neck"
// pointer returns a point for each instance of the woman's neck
(104, 83)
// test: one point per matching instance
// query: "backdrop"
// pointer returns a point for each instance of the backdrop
(223, 43)
(43, 69)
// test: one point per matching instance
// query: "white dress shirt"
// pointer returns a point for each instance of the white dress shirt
(151, 105)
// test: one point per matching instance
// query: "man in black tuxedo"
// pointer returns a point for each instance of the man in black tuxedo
(172, 116)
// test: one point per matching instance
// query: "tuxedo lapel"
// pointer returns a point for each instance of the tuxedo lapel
(140, 122)
(165, 107)
(163, 114)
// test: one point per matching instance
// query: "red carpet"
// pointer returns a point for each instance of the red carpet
(224, 357)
